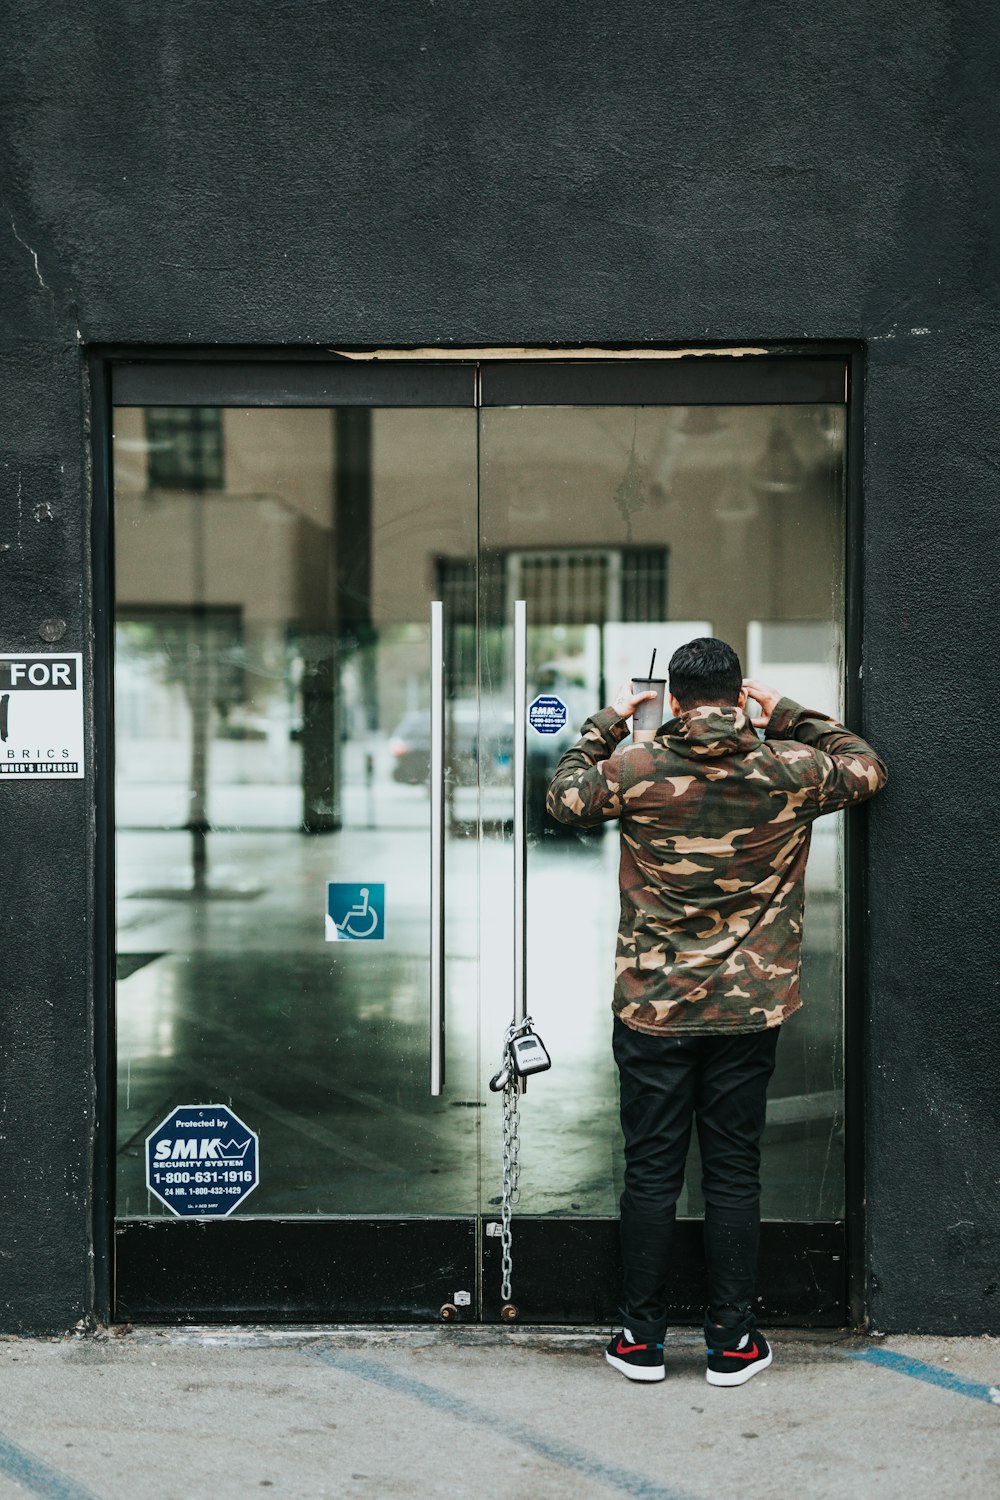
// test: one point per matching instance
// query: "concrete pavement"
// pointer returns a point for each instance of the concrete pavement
(183, 1414)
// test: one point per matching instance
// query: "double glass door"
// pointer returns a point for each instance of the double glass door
(321, 720)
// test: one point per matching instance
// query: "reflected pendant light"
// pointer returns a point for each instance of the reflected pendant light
(780, 470)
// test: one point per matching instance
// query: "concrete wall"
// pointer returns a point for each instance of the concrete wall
(523, 174)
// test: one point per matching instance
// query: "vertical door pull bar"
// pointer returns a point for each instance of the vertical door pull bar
(437, 848)
(520, 842)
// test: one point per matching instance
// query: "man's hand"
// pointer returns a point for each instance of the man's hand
(767, 697)
(626, 702)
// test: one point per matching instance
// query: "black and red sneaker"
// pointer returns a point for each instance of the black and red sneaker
(735, 1354)
(637, 1352)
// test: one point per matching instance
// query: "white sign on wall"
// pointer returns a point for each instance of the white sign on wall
(41, 714)
(628, 647)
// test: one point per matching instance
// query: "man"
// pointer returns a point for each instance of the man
(715, 827)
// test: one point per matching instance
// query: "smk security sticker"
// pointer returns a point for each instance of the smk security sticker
(547, 715)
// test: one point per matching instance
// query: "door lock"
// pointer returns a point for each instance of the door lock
(524, 1053)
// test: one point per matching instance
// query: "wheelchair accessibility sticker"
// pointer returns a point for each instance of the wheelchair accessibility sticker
(354, 913)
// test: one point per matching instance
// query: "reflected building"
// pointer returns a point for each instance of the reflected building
(274, 568)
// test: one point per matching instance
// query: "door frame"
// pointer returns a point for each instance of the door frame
(708, 367)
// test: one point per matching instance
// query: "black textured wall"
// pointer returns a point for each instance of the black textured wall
(431, 171)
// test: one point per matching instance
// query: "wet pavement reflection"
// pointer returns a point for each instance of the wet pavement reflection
(236, 998)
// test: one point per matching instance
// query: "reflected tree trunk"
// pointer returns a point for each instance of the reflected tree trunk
(200, 666)
(345, 635)
(199, 693)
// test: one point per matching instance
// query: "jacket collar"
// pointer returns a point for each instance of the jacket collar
(709, 730)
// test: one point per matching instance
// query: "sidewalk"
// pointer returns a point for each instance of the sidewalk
(180, 1414)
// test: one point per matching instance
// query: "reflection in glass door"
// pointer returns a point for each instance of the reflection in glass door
(274, 578)
(275, 570)
(626, 529)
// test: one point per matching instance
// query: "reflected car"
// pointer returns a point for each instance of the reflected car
(410, 748)
(410, 743)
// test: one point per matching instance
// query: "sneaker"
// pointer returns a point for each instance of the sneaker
(635, 1359)
(733, 1360)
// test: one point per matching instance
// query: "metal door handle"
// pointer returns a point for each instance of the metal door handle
(437, 848)
(520, 784)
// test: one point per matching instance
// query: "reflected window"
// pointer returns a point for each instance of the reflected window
(456, 587)
(582, 586)
(644, 583)
(185, 447)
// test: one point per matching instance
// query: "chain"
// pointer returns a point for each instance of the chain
(511, 1174)
(511, 1152)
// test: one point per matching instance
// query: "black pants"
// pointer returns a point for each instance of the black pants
(721, 1081)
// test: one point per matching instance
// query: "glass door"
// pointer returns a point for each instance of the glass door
(635, 507)
(316, 572)
(279, 789)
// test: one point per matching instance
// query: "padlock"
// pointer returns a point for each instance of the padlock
(528, 1055)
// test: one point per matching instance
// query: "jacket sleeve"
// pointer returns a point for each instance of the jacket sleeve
(586, 784)
(846, 767)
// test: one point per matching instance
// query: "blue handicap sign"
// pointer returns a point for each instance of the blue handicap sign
(354, 913)
(547, 715)
(202, 1161)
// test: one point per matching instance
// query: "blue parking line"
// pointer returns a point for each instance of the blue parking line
(612, 1477)
(947, 1380)
(38, 1477)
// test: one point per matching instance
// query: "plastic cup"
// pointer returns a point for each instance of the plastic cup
(649, 715)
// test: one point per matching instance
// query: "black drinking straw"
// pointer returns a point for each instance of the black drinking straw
(652, 663)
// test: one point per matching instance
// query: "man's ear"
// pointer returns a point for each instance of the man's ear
(741, 701)
(675, 707)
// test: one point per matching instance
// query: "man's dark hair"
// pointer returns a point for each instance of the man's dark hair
(706, 670)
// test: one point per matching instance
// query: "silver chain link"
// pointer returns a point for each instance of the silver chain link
(511, 1175)
(511, 1159)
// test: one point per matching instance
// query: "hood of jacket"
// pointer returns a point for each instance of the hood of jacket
(709, 730)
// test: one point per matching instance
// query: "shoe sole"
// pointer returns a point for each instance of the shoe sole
(739, 1377)
(635, 1372)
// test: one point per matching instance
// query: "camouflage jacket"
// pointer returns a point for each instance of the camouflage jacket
(715, 826)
